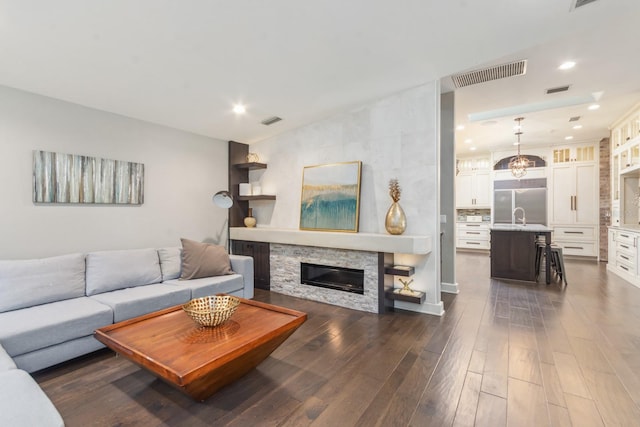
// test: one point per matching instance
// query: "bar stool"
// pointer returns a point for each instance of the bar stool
(540, 247)
(557, 261)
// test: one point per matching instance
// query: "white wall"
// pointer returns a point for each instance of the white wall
(397, 137)
(182, 172)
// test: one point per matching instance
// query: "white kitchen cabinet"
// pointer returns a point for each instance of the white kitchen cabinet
(473, 189)
(574, 153)
(623, 254)
(574, 202)
(575, 194)
(472, 235)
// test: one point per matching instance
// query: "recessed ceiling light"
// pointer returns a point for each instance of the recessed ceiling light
(594, 107)
(568, 137)
(468, 141)
(239, 109)
(577, 127)
(472, 148)
(567, 65)
(460, 127)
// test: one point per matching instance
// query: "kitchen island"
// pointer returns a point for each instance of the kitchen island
(513, 251)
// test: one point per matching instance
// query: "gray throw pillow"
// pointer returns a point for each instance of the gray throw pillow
(203, 260)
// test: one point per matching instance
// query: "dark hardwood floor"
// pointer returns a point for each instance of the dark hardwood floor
(504, 354)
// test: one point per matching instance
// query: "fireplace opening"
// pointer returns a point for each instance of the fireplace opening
(340, 278)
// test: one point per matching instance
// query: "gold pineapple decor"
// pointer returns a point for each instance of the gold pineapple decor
(395, 221)
(394, 190)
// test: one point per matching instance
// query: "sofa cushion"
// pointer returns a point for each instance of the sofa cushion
(132, 302)
(111, 270)
(210, 285)
(6, 362)
(23, 403)
(203, 260)
(33, 328)
(170, 262)
(25, 283)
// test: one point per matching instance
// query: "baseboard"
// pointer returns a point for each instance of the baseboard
(428, 308)
(449, 288)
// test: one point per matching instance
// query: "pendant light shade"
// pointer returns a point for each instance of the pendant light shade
(519, 163)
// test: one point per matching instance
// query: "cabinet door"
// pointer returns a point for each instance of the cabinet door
(259, 251)
(563, 192)
(586, 202)
(464, 190)
(482, 187)
(261, 265)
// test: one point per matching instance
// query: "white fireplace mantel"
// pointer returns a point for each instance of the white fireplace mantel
(418, 245)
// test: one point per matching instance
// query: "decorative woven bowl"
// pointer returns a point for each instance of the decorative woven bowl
(211, 310)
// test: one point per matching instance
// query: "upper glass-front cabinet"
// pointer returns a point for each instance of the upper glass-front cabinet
(585, 153)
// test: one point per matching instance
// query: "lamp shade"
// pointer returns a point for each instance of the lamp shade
(223, 199)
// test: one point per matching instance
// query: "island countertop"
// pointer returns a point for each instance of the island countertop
(533, 228)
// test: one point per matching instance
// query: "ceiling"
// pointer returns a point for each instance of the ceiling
(606, 74)
(184, 64)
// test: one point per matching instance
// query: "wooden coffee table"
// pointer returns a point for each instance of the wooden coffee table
(200, 360)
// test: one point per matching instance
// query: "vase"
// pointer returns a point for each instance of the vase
(250, 221)
(396, 221)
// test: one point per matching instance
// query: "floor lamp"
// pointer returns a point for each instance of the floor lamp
(224, 199)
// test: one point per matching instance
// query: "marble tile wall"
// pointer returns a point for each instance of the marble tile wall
(285, 274)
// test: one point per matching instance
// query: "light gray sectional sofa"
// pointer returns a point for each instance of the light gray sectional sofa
(50, 307)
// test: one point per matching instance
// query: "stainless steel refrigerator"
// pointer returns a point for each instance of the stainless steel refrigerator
(529, 194)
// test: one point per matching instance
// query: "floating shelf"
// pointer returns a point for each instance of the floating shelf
(260, 197)
(251, 165)
(400, 270)
(416, 298)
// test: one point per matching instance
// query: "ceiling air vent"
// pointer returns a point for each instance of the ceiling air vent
(558, 89)
(497, 72)
(574, 118)
(271, 120)
(580, 3)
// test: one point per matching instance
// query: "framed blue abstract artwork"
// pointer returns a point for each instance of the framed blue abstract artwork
(331, 197)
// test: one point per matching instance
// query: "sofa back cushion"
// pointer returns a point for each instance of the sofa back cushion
(113, 270)
(170, 262)
(25, 283)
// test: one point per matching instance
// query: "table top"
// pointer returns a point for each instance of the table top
(172, 345)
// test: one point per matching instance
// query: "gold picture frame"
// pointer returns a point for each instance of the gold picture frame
(330, 199)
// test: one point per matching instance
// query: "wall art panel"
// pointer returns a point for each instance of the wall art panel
(70, 178)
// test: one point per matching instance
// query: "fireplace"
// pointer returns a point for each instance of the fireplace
(340, 278)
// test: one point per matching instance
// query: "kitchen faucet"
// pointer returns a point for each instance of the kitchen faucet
(524, 220)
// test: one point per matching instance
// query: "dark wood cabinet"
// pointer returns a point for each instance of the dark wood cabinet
(259, 251)
(513, 255)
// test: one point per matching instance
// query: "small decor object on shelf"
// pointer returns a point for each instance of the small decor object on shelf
(244, 189)
(253, 158)
(405, 287)
(250, 221)
(395, 221)
(211, 310)
(256, 190)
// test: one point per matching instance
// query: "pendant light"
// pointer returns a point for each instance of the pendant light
(519, 163)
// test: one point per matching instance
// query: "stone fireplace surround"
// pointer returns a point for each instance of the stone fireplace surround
(366, 251)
